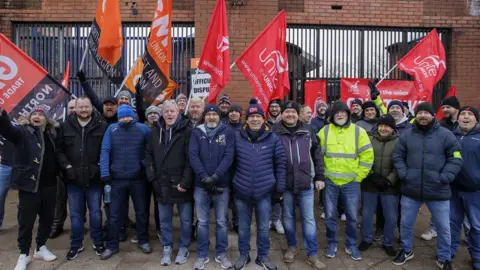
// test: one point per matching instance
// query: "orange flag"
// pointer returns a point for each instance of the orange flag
(66, 75)
(111, 40)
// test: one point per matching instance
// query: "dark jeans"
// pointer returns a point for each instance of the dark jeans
(118, 211)
(77, 197)
(4, 184)
(30, 205)
(148, 198)
(60, 205)
(369, 206)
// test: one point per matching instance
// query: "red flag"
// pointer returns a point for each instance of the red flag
(315, 90)
(66, 75)
(265, 62)
(215, 58)
(451, 93)
(426, 62)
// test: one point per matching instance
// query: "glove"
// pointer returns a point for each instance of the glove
(374, 93)
(380, 182)
(209, 181)
(107, 180)
(277, 197)
(81, 76)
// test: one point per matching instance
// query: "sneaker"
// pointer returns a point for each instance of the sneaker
(447, 265)
(99, 250)
(134, 239)
(331, 251)
(322, 216)
(354, 253)
(364, 245)
(391, 251)
(343, 217)
(266, 263)
(182, 256)
(315, 263)
(278, 226)
(241, 262)
(44, 254)
(107, 254)
(23, 261)
(402, 257)
(73, 253)
(377, 236)
(429, 235)
(167, 256)
(145, 248)
(200, 263)
(289, 256)
(223, 261)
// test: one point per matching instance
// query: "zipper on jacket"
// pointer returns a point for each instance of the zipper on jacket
(82, 150)
(42, 140)
(421, 171)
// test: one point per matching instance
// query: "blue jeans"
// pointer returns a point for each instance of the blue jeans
(348, 195)
(119, 205)
(203, 201)
(165, 212)
(467, 203)
(276, 212)
(304, 199)
(4, 184)
(77, 196)
(389, 205)
(245, 208)
(441, 218)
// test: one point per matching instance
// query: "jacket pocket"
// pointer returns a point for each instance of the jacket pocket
(93, 171)
(23, 177)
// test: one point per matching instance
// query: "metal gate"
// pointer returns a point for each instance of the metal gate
(333, 52)
(53, 44)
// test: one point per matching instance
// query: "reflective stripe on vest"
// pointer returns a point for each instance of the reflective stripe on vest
(343, 155)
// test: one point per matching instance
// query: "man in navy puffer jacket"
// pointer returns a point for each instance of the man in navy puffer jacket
(260, 177)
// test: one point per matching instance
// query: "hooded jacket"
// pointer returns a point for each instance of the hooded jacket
(403, 126)
(427, 161)
(29, 144)
(368, 124)
(468, 180)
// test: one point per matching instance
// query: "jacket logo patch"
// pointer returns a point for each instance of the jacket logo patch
(221, 140)
(33, 178)
(263, 147)
(36, 161)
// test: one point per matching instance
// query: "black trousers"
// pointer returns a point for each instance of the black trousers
(60, 206)
(150, 191)
(31, 205)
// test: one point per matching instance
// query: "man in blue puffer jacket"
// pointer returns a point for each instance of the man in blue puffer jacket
(427, 158)
(259, 181)
(122, 167)
(466, 187)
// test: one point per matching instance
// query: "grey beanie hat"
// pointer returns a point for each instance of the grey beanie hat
(153, 109)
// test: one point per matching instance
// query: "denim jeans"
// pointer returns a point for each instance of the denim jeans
(305, 200)
(77, 197)
(165, 212)
(118, 206)
(348, 195)
(467, 203)
(441, 218)
(276, 212)
(389, 205)
(245, 208)
(220, 205)
(4, 184)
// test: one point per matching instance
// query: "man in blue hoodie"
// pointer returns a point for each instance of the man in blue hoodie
(466, 187)
(122, 167)
(211, 153)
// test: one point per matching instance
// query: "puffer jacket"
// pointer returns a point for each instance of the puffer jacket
(403, 126)
(427, 161)
(260, 165)
(383, 164)
(468, 179)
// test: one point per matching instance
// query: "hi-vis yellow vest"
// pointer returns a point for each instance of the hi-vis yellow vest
(347, 151)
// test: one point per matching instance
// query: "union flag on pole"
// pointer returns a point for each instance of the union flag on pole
(451, 93)
(215, 58)
(265, 62)
(66, 75)
(315, 90)
(426, 62)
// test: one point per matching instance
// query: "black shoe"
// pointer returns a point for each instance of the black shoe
(241, 262)
(99, 250)
(73, 253)
(364, 245)
(390, 251)
(122, 236)
(402, 257)
(56, 232)
(266, 263)
(146, 248)
(107, 254)
(447, 265)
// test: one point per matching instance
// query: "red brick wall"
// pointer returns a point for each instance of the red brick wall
(245, 22)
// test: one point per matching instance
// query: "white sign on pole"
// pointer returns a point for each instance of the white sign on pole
(200, 80)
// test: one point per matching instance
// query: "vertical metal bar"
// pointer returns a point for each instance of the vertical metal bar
(361, 53)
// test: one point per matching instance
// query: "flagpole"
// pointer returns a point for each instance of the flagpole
(83, 57)
(126, 77)
(188, 101)
(232, 65)
(385, 76)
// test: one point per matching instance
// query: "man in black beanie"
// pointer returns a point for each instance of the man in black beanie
(234, 117)
(370, 114)
(356, 110)
(450, 107)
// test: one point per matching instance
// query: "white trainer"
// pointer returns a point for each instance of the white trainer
(23, 261)
(278, 227)
(44, 254)
(429, 235)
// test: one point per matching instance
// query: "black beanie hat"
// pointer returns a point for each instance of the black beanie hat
(425, 106)
(291, 105)
(388, 120)
(338, 106)
(395, 102)
(370, 104)
(254, 108)
(469, 108)
(357, 101)
(452, 102)
(405, 104)
(235, 108)
(212, 108)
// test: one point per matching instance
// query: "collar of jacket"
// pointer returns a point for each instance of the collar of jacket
(473, 131)
(346, 125)
(220, 128)
(280, 128)
(432, 126)
(266, 133)
(387, 139)
(128, 124)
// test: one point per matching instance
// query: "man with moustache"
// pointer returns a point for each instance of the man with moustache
(427, 159)
(305, 114)
(320, 120)
(356, 110)
(369, 116)
(195, 112)
(450, 109)
(224, 105)
(274, 108)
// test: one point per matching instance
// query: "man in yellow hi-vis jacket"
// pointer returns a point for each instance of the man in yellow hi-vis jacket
(348, 157)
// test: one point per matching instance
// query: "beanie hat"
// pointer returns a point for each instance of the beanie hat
(357, 101)
(291, 105)
(212, 108)
(338, 106)
(125, 111)
(179, 97)
(235, 108)
(471, 109)
(125, 93)
(452, 102)
(254, 108)
(370, 104)
(40, 109)
(275, 101)
(110, 99)
(153, 109)
(425, 106)
(395, 102)
(388, 120)
(224, 99)
(405, 105)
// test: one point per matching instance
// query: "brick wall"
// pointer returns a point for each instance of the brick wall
(245, 22)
